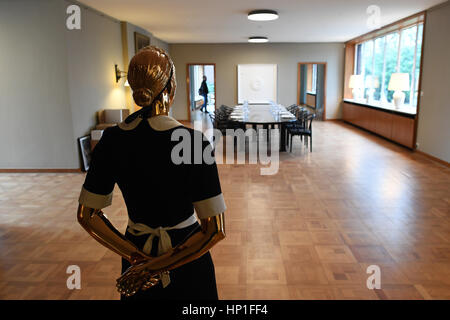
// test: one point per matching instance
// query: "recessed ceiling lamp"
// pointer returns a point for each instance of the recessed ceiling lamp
(262, 15)
(258, 39)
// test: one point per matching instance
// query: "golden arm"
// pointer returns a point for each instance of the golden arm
(99, 227)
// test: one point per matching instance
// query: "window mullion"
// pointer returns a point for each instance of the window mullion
(398, 49)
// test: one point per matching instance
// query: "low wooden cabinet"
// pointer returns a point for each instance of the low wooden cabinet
(395, 127)
(403, 130)
(383, 124)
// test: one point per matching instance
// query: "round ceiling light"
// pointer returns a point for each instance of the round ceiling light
(258, 39)
(262, 15)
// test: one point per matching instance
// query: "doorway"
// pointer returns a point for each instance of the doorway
(311, 87)
(196, 99)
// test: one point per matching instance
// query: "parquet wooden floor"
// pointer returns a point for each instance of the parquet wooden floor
(309, 232)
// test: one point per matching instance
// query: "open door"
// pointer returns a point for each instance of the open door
(196, 73)
(311, 90)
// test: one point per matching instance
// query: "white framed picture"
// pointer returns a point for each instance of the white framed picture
(257, 83)
(85, 151)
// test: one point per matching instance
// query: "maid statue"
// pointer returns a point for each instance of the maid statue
(165, 249)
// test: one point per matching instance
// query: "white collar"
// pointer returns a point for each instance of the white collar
(163, 123)
(158, 123)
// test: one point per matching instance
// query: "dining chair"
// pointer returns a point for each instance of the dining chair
(300, 114)
(303, 130)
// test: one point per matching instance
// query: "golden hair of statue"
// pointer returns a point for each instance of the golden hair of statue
(151, 75)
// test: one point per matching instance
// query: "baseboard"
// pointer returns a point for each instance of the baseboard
(40, 171)
(429, 156)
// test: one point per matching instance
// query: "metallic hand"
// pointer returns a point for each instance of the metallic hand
(135, 278)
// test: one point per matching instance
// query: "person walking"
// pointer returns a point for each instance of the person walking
(203, 91)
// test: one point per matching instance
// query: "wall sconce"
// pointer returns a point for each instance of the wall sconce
(119, 74)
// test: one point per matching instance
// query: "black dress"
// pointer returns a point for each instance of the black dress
(159, 192)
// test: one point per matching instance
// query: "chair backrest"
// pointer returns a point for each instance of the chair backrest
(302, 114)
(301, 117)
(226, 109)
(309, 120)
(292, 108)
(221, 115)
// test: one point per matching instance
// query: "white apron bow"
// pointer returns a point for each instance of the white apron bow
(164, 244)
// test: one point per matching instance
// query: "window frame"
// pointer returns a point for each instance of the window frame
(358, 57)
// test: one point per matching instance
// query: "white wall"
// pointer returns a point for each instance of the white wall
(131, 29)
(92, 53)
(54, 80)
(36, 129)
(433, 133)
(285, 55)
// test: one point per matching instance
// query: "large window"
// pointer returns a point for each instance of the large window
(377, 59)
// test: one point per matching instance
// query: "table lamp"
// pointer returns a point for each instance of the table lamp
(356, 83)
(399, 82)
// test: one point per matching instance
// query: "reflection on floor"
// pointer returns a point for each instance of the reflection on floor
(198, 115)
(309, 232)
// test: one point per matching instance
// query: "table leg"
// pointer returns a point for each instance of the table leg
(282, 138)
(266, 128)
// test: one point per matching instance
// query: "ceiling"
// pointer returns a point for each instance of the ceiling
(222, 21)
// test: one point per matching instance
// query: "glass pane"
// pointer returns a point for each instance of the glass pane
(391, 63)
(314, 78)
(375, 81)
(358, 59)
(407, 48)
(367, 63)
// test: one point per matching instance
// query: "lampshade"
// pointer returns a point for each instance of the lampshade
(356, 81)
(399, 82)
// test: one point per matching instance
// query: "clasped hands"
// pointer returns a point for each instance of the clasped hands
(140, 276)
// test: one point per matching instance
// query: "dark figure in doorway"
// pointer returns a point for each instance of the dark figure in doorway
(203, 91)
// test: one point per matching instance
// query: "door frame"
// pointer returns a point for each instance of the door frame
(188, 91)
(324, 115)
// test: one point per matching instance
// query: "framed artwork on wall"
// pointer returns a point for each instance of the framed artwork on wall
(140, 41)
(85, 151)
(257, 83)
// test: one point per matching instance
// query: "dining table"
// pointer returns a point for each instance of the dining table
(267, 115)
